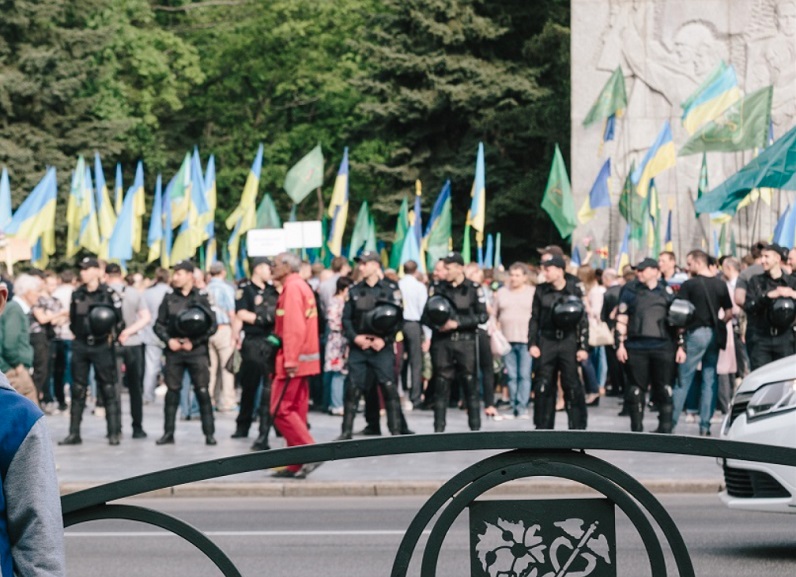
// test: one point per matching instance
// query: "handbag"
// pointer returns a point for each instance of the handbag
(600, 335)
(233, 363)
(719, 328)
(499, 343)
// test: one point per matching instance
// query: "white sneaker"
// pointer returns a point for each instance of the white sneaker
(99, 411)
(690, 418)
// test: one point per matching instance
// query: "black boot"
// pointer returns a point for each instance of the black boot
(442, 389)
(240, 433)
(576, 408)
(206, 412)
(172, 403)
(473, 404)
(350, 406)
(113, 415)
(75, 416)
(261, 444)
(634, 402)
(665, 412)
(392, 406)
(544, 405)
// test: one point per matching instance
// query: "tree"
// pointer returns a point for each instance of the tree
(451, 73)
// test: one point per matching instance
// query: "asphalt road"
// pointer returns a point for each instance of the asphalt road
(348, 537)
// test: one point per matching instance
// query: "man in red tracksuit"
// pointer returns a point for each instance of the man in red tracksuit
(298, 358)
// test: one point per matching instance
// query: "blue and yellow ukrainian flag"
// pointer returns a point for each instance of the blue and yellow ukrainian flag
(711, 98)
(477, 212)
(120, 244)
(668, 243)
(154, 236)
(338, 208)
(139, 206)
(599, 196)
(89, 229)
(105, 211)
(244, 217)
(659, 157)
(623, 258)
(193, 230)
(118, 190)
(5, 200)
(34, 220)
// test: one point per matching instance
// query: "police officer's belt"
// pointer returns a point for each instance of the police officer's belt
(91, 340)
(557, 334)
(458, 336)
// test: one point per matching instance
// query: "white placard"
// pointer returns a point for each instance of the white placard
(303, 234)
(265, 242)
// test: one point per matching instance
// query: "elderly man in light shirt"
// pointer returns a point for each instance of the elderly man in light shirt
(416, 336)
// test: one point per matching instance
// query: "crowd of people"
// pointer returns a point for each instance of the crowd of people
(521, 343)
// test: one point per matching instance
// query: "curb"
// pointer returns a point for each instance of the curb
(302, 488)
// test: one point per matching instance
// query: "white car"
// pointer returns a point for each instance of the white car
(763, 411)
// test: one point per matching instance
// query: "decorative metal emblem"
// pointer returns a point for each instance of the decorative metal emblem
(556, 538)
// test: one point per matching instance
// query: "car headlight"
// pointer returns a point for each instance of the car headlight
(772, 398)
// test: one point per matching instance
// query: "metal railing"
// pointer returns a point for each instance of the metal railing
(528, 454)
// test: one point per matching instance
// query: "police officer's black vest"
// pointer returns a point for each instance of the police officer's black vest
(648, 319)
(84, 301)
(364, 298)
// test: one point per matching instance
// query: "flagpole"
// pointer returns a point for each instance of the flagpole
(698, 219)
(320, 204)
(755, 218)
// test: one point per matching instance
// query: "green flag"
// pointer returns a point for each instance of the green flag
(305, 176)
(438, 241)
(702, 187)
(370, 241)
(774, 167)
(361, 231)
(267, 217)
(612, 99)
(631, 205)
(742, 126)
(557, 201)
(401, 226)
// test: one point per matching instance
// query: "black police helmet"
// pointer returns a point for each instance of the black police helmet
(782, 313)
(193, 322)
(439, 310)
(680, 313)
(384, 319)
(101, 320)
(567, 313)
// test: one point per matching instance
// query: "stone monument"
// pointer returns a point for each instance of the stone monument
(666, 48)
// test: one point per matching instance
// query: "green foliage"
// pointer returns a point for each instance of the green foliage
(450, 73)
(411, 86)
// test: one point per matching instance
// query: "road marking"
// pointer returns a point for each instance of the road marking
(127, 534)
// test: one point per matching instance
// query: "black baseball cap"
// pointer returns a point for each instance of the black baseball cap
(780, 250)
(185, 265)
(556, 261)
(647, 263)
(258, 260)
(368, 256)
(453, 258)
(113, 268)
(88, 262)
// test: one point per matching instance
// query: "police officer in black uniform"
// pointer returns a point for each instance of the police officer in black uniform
(454, 348)
(186, 348)
(255, 307)
(95, 315)
(558, 334)
(372, 316)
(646, 344)
(769, 306)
